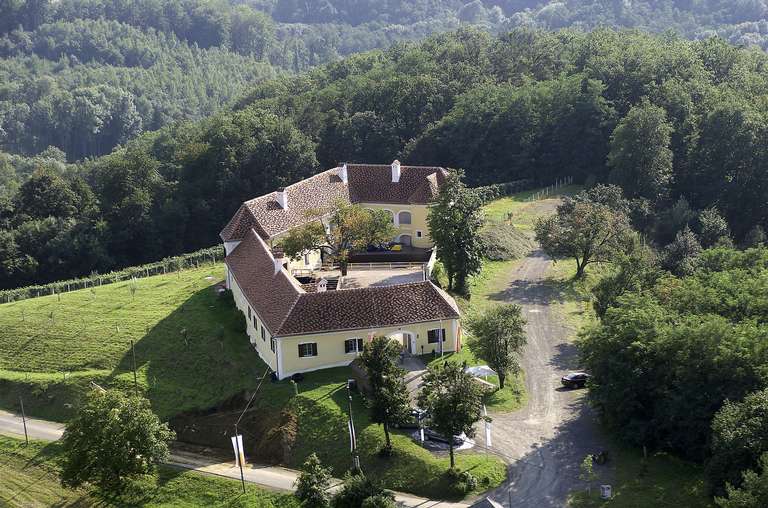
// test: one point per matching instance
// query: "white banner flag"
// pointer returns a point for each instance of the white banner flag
(237, 447)
(351, 436)
(488, 434)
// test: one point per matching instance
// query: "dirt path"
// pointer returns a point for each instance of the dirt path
(545, 441)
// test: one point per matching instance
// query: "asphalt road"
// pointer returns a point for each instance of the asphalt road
(36, 429)
(546, 440)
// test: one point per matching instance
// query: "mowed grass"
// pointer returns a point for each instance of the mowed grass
(189, 352)
(525, 212)
(30, 479)
(664, 482)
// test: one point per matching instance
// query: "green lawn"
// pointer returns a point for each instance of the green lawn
(524, 211)
(665, 482)
(30, 479)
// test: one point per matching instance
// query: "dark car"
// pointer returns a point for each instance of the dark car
(435, 436)
(575, 380)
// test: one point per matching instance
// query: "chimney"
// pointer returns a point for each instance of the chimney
(343, 173)
(396, 171)
(278, 257)
(282, 198)
(322, 285)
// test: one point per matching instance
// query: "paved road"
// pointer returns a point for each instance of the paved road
(37, 429)
(206, 462)
(545, 441)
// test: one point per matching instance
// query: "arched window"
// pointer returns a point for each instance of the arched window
(404, 217)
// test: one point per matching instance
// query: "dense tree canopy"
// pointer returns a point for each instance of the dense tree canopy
(527, 104)
(664, 358)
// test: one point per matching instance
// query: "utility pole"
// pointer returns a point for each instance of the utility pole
(135, 379)
(24, 420)
(241, 454)
(239, 458)
(352, 436)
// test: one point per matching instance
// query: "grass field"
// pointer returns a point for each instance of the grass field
(30, 479)
(524, 212)
(664, 482)
(52, 348)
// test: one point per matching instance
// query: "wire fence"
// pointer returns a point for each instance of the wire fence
(173, 264)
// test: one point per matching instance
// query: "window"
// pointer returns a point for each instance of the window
(262, 334)
(353, 346)
(419, 234)
(249, 313)
(306, 350)
(405, 217)
(272, 347)
(306, 259)
(255, 323)
(434, 335)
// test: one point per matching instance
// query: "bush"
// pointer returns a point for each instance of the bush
(462, 482)
(357, 490)
(380, 501)
(502, 242)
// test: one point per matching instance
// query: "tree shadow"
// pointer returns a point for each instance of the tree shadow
(549, 471)
(194, 358)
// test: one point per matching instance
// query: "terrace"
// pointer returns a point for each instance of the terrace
(371, 269)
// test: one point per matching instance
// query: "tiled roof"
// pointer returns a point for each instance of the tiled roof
(372, 183)
(271, 295)
(287, 309)
(311, 198)
(372, 307)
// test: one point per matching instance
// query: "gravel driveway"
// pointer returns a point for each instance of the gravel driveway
(545, 441)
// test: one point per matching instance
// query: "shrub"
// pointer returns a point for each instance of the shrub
(357, 489)
(462, 482)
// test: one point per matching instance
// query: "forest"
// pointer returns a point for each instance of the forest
(86, 76)
(680, 125)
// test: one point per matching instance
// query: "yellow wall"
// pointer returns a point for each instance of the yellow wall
(261, 345)
(418, 221)
(330, 346)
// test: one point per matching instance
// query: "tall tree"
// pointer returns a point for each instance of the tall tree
(348, 228)
(389, 403)
(585, 231)
(454, 222)
(453, 400)
(112, 438)
(640, 158)
(498, 337)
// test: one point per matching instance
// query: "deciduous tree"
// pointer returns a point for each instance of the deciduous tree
(453, 401)
(454, 224)
(112, 438)
(498, 338)
(348, 228)
(585, 231)
(389, 400)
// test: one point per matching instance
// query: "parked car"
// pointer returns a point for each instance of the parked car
(575, 380)
(435, 436)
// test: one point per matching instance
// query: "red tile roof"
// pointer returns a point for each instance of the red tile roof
(311, 198)
(287, 309)
(372, 307)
